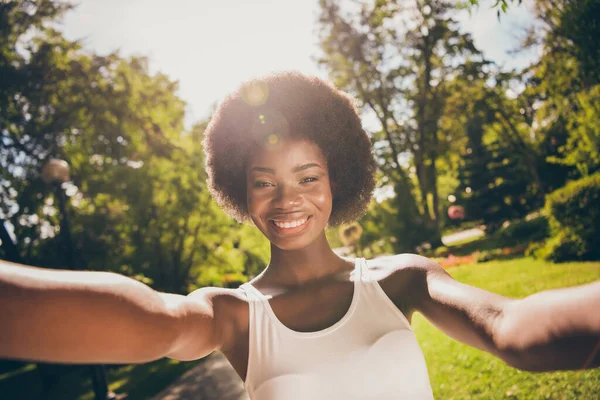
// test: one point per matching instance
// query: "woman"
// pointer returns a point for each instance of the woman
(288, 153)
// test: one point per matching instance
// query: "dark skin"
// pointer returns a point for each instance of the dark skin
(70, 316)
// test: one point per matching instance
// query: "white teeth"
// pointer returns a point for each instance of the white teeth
(290, 224)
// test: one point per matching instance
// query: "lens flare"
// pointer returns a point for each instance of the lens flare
(255, 93)
(269, 128)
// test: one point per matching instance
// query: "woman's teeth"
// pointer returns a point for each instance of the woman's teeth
(290, 224)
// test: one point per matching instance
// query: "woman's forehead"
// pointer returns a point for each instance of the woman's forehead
(287, 154)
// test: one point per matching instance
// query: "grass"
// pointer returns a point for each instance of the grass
(460, 372)
(141, 381)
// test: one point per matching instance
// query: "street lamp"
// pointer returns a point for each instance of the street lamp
(56, 172)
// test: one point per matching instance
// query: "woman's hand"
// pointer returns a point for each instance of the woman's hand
(100, 317)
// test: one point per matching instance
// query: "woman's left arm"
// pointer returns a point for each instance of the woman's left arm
(547, 331)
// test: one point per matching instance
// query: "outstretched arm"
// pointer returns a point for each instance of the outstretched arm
(551, 330)
(99, 317)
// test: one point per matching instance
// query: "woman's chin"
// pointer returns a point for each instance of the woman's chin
(290, 245)
(296, 242)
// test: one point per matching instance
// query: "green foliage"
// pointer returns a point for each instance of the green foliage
(441, 251)
(139, 381)
(500, 4)
(395, 61)
(493, 185)
(582, 148)
(137, 201)
(522, 231)
(574, 219)
(563, 246)
(574, 29)
(333, 237)
(484, 256)
(379, 224)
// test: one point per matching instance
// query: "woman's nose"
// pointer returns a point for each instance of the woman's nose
(287, 197)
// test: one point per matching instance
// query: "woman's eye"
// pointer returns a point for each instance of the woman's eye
(309, 179)
(261, 184)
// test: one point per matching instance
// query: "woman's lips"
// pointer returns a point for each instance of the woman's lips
(290, 227)
(290, 224)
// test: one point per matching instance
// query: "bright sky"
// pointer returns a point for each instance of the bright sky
(211, 46)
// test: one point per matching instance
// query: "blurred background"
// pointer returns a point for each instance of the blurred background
(484, 117)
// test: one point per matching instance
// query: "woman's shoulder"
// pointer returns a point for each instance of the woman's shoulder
(400, 276)
(227, 304)
(398, 263)
(230, 311)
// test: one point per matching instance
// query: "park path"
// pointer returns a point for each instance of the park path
(212, 379)
(455, 237)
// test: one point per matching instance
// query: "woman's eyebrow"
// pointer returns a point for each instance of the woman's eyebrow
(295, 169)
(306, 166)
(263, 169)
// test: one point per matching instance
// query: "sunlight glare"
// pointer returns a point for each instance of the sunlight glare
(256, 94)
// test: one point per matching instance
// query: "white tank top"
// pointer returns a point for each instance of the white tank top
(371, 353)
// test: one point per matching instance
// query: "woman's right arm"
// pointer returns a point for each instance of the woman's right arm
(99, 317)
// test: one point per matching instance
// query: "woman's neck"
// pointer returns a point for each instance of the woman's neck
(292, 268)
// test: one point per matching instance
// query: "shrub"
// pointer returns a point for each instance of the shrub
(525, 231)
(564, 246)
(574, 217)
(441, 251)
(484, 256)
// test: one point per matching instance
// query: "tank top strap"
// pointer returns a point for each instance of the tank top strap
(251, 292)
(361, 269)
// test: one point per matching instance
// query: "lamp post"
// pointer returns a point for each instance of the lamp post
(56, 172)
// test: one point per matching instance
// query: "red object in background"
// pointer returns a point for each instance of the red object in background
(456, 212)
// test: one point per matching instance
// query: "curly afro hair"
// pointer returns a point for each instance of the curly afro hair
(289, 105)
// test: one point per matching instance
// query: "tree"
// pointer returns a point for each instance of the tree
(397, 61)
(138, 202)
(493, 185)
(564, 85)
(501, 5)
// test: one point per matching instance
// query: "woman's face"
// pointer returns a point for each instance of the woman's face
(288, 193)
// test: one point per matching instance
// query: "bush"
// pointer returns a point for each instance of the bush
(525, 231)
(441, 251)
(574, 216)
(564, 246)
(484, 256)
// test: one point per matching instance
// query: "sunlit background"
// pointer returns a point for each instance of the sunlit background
(210, 47)
(102, 165)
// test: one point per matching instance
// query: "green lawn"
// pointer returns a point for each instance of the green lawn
(460, 372)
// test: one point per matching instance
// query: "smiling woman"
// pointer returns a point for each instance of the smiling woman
(288, 154)
(260, 119)
(290, 199)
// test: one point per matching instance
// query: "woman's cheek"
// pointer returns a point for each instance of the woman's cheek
(322, 200)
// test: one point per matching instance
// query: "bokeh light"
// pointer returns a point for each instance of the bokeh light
(255, 93)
